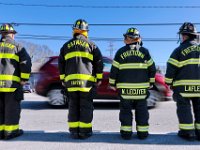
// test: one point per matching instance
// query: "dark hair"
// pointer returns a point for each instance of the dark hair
(191, 36)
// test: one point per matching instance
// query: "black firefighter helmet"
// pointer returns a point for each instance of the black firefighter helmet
(188, 28)
(132, 33)
(7, 28)
(80, 24)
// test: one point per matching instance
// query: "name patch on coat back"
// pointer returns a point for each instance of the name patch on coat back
(133, 91)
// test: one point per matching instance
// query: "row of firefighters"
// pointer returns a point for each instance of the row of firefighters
(81, 70)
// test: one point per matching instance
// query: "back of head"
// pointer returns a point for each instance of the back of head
(80, 27)
(188, 29)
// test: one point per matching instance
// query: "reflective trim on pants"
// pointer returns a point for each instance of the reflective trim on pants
(11, 128)
(2, 127)
(142, 128)
(85, 125)
(73, 124)
(126, 128)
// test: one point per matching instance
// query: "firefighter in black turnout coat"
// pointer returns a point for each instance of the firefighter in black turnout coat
(15, 68)
(133, 72)
(81, 67)
(183, 74)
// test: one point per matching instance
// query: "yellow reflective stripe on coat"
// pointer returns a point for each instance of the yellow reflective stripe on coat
(25, 75)
(133, 66)
(142, 128)
(186, 82)
(133, 97)
(133, 85)
(190, 94)
(62, 77)
(9, 77)
(152, 80)
(168, 80)
(85, 125)
(186, 126)
(197, 126)
(111, 81)
(83, 89)
(150, 62)
(7, 89)
(11, 127)
(2, 127)
(73, 124)
(115, 64)
(99, 75)
(126, 128)
(79, 54)
(9, 56)
(80, 77)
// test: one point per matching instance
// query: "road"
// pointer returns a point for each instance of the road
(46, 129)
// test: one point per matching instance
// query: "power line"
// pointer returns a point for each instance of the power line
(64, 38)
(98, 24)
(102, 6)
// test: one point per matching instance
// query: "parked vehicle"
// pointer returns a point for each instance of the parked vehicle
(49, 85)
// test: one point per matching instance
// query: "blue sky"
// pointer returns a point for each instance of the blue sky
(160, 51)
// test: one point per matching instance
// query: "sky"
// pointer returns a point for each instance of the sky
(160, 51)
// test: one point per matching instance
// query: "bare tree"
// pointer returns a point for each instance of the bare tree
(38, 53)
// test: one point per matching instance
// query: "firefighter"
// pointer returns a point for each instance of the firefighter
(81, 67)
(183, 74)
(15, 68)
(132, 73)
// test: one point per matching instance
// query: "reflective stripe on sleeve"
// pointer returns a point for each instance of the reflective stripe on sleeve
(152, 80)
(186, 82)
(190, 94)
(197, 126)
(99, 75)
(25, 75)
(168, 80)
(62, 77)
(115, 64)
(111, 81)
(150, 62)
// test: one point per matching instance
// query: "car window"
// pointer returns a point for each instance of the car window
(107, 64)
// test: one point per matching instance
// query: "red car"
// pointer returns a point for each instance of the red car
(49, 84)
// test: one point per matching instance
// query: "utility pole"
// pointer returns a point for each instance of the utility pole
(111, 49)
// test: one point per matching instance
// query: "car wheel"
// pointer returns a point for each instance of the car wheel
(56, 98)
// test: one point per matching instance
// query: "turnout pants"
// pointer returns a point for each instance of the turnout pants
(81, 111)
(10, 109)
(126, 115)
(184, 113)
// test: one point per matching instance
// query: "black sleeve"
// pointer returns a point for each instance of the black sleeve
(97, 63)
(61, 64)
(151, 69)
(172, 67)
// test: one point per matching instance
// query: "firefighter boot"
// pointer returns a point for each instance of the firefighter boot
(13, 134)
(142, 135)
(74, 135)
(85, 135)
(126, 135)
(198, 134)
(189, 136)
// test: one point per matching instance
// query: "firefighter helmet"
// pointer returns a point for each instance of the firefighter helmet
(133, 33)
(81, 24)
(188, 28)
(7, 28)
